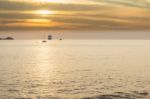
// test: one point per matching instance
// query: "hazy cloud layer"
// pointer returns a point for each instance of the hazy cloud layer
(87, 15)
(131, 3)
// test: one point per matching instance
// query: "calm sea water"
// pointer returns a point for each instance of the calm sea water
(68, 69)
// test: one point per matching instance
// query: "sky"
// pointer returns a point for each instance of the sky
(77, 15)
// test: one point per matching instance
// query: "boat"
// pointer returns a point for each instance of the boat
(44, 41)
(49, 37)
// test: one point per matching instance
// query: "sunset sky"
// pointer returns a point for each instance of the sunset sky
(75, 15)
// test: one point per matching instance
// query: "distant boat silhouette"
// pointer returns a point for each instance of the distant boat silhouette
(60, 39)
(49, 37)
(44, 41)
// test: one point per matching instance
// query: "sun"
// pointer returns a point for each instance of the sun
(44, 12)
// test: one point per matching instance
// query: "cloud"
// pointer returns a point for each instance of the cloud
(131, 3)
(98, 15)
(23, 6)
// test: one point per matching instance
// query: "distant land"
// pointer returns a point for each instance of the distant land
(7, 38)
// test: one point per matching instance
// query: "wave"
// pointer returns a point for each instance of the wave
(122, 95)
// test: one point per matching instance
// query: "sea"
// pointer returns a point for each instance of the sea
(75, 69)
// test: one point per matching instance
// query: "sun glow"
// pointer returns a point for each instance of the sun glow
(38, 20)
(44, 12)
(42, 1)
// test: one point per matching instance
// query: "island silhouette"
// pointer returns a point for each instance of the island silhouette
(7, 38)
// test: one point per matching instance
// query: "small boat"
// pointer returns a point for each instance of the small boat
(44, 41)
(60, 39)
